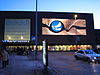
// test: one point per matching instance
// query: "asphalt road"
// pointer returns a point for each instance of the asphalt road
(65, 64)
(60, 63)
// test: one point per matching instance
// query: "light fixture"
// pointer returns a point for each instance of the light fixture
(75, 16)
(21, 37)
(9, 37)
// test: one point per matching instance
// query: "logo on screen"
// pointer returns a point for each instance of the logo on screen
(56, 26)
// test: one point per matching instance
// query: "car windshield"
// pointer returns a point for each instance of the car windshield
(89, 52)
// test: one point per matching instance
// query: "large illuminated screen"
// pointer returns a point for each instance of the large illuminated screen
(17, 29)
(54, 26)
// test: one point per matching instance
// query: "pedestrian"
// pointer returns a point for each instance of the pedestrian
(0, 56)
(4, 58)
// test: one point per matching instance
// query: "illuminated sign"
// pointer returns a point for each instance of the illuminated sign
(56, 26)
(15, 41)
(17, 29)
(44, 52)
(33, 38)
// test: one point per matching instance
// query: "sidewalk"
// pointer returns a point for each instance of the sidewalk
(24, 65)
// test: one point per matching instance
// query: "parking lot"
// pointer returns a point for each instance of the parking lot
(65, 64)
(60, 63)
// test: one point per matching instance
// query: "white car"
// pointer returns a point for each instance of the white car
(88, 55)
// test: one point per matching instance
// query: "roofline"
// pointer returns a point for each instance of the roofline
(48, 12)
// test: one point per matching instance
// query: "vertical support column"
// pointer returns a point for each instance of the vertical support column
(36, 34)
(75, 16)
(45, 55)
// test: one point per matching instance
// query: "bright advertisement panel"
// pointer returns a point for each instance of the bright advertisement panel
(53, 26)
(17, 29)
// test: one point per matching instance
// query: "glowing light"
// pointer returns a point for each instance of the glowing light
(9, 37)
(56, 26)
(21, 37)
(75, 16)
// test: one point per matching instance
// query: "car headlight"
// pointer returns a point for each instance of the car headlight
(94, 58)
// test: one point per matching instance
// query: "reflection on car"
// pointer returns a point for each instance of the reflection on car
(97, 50)
(88, 55)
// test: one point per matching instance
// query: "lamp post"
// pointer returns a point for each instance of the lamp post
(75, 16)
(36, 32)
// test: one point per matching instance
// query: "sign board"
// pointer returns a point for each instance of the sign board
(45, 54)
(33, 38)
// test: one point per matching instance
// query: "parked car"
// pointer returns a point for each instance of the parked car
(88, 55)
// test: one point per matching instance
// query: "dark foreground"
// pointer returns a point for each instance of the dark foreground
(60, 63)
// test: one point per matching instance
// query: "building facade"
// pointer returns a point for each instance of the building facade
(62, 30)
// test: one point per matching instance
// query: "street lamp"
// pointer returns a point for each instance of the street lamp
(36, 40)
(75, 17)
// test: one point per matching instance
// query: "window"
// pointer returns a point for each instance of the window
(81, 52)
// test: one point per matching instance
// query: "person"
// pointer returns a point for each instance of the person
(0, 56)
(4, 58)
(29, 50)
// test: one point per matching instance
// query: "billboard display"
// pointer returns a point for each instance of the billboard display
(54, 26)
(17, 29)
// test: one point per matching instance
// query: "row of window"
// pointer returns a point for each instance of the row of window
(55, 47)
